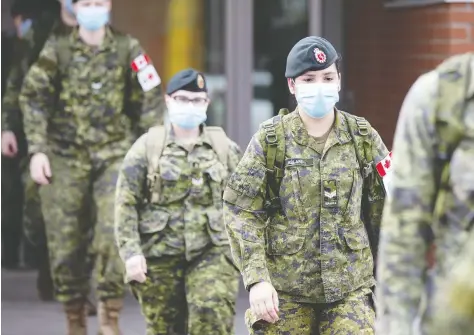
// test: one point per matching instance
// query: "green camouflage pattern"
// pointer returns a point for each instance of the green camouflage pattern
(85, 136)
(90, 103)
(25, 54)
(406, 288)
(187, 217)
(11, 114)
(194, 298)
(352, 315)
(454, 314)
(12, 118)
(68, 234)
(320, 220)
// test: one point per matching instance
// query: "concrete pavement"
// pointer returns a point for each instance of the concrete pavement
(24, 314)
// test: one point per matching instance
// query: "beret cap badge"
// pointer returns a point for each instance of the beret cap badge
(200, 81)
(320, 56)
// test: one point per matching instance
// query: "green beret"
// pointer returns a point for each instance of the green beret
(312, 53)
(187, 80)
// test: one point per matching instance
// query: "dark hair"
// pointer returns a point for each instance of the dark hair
(338, 63)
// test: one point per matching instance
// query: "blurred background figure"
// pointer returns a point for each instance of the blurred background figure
(431, 203)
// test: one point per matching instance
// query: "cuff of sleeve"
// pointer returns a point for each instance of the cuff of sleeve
(37, 148)
(129, 251)
(254, 276)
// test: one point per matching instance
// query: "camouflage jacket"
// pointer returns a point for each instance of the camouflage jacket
(408, 221)
(454, 302)
(26, 52)
(84, 107)
(317, 249)
(187, 217)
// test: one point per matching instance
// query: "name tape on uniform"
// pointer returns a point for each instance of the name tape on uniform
(384, 169)
(140, 62)
(148, 78)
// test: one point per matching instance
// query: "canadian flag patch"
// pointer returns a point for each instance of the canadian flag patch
(384, 169)
(140, 62)
(148, 78)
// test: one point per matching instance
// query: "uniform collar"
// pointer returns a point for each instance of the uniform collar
(338, 135)
(108, 44)
(203, 136)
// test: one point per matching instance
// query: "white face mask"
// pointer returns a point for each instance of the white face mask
(186, 116)
(317, 99)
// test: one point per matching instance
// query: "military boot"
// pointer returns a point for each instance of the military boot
(108, 313)
(76, 318)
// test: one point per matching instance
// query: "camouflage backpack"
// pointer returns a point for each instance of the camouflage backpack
(455, 75)
(155, 144)
(360, 131)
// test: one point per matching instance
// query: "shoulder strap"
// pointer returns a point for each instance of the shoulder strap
(154, 146)
(155, 143)
(220, 142)
(360, 130)
(273, 130)
(454, 79)
(123, 49)
(63, 53)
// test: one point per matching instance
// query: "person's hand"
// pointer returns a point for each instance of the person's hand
(136, 269)
(40, 169)
(9, 144)
(264, 302)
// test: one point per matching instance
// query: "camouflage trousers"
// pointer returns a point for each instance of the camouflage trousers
(352, 316)
(64, 203)
(197, 298)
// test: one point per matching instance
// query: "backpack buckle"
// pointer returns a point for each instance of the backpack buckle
(271, 137)
(362, 126)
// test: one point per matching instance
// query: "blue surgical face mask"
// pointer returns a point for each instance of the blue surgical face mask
(92, 18)
(317, 99)
(186, 116)
(24, 27)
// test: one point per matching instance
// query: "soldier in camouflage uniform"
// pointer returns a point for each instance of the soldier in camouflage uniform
(168, 218)
(14, 142)
(432, 199)
(293, 208)
(83, 107)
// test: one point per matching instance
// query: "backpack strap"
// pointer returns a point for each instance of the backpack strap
(453, 85)
(155, 144)
(274, 132)
(123, 49)
(360, 130)
(220, 142)
(64, 54)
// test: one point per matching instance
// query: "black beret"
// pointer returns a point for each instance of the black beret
(187, 80)
(312, 53)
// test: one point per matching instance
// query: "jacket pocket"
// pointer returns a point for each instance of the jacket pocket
(284, 240)
(216, 228)
(153, 222)
(357, 238)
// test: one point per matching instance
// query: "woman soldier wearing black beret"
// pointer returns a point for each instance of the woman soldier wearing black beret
(294, 212)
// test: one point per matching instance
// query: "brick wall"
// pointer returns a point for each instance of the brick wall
(387, 49)
(145, 20)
